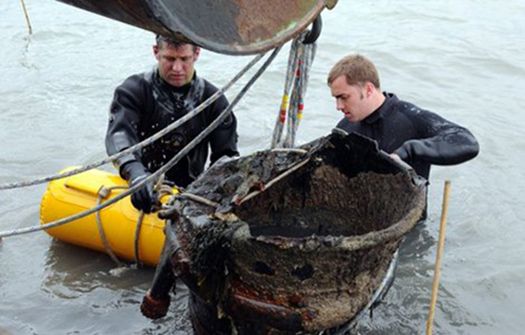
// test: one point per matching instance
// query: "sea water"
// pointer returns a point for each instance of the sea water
(462, 59)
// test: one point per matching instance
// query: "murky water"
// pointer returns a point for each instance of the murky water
(462, 59)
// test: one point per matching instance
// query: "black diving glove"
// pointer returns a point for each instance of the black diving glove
(143, 198)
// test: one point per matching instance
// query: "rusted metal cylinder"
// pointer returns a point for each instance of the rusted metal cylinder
(306, 254)
(225, 26)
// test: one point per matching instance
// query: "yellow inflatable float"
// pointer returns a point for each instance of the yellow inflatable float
(75, 194)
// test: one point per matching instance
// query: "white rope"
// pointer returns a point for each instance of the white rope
(161, 170)
(140, 145)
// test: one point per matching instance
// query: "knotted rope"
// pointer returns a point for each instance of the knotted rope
(104, 192)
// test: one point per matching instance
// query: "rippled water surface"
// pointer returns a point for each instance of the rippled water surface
(462, 59)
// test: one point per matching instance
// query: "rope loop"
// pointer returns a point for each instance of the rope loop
(315, 32)
(103, 193)
(163, 190)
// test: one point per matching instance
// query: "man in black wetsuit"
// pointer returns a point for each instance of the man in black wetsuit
(407, 132)
(148, 102)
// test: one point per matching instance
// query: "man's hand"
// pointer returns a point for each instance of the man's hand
(143, 198)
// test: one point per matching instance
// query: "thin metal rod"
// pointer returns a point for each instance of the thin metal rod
(27, 17)
(276, 179)
(439, 255)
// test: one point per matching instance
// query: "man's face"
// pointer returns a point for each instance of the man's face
(352, 100)
(176, 63)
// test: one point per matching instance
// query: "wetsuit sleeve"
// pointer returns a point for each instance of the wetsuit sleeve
(223, 140)
(124, 118)
(439, 142)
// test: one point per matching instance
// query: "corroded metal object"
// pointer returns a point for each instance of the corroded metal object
(224, 26)
(300, 240)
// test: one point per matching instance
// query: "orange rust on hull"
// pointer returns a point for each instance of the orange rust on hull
(226, 26)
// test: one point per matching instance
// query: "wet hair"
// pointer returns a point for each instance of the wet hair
(357, 69)
(172, 41)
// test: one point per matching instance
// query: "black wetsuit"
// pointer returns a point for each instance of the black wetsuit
(419, 137)
(144, 104)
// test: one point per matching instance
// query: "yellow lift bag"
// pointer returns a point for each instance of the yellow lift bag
(71, 195)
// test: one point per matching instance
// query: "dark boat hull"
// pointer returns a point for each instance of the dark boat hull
(226, 26)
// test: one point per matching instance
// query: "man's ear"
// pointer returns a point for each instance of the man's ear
(196, 52)
(156, 50)
(370, 88)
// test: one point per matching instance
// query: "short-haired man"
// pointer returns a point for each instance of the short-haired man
(148, 102)
(418, 137)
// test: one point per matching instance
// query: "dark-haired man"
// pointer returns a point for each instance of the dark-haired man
(148, 102)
